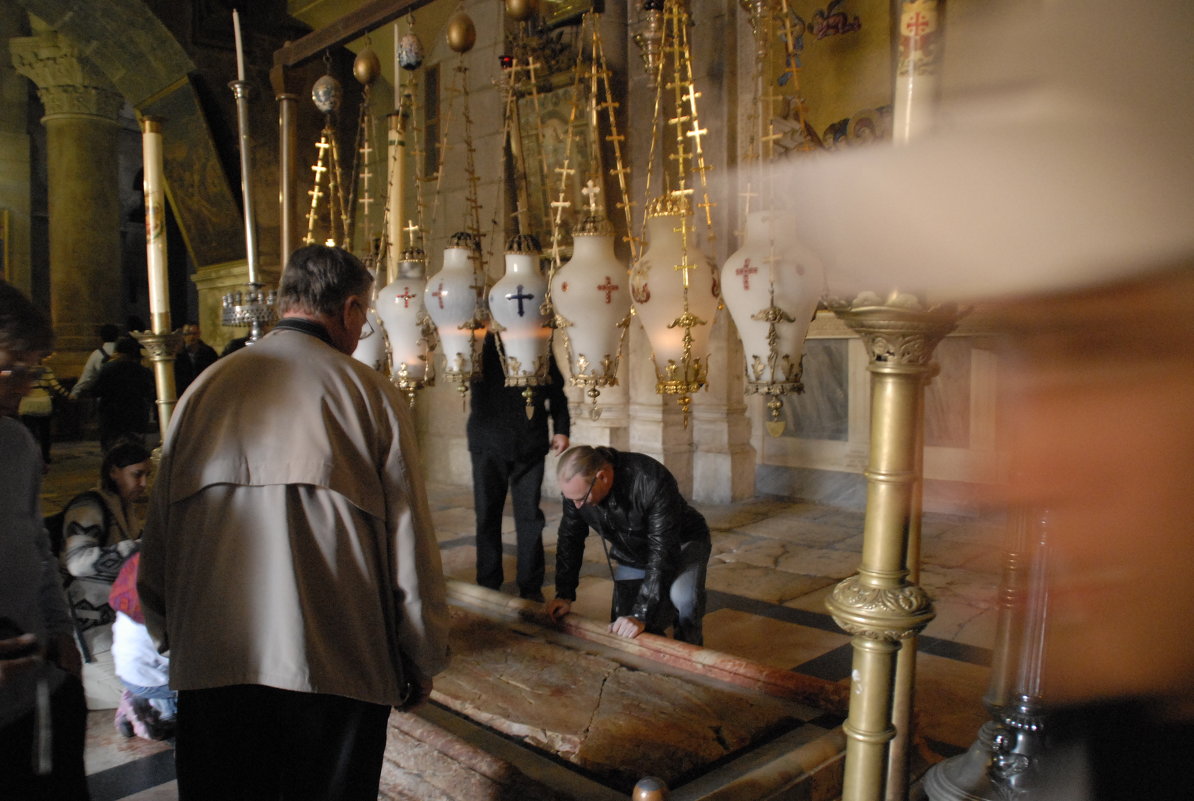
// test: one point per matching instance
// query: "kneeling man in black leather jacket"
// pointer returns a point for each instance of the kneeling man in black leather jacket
(659, 545)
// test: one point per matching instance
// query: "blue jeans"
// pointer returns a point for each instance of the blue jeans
(686, 594)
(162, 698)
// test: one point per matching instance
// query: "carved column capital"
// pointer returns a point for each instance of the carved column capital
(899, 331)
(68, 84)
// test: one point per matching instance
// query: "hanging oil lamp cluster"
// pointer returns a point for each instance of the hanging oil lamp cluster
(591, 293)
(409, 332)
(673, 284)
(772, 283)
(519, 306)
(455, 296)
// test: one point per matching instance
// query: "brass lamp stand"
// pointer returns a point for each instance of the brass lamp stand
(881, 606)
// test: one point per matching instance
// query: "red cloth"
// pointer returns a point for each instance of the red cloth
(123, 596)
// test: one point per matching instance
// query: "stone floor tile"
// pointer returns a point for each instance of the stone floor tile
(944, 552)
(455, 519)
(791, 558)
(107, 748)
(949, 698)
(761, 583)
(813, 601)
(766, 640)
(725, 518)
(974, 588)
(964, 624)
(163, 792)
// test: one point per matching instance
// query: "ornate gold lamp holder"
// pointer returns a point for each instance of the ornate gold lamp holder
(771, 285)
(673, 286)
(882, 606)
(590, 294)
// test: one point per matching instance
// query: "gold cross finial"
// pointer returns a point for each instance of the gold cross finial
(591, 191)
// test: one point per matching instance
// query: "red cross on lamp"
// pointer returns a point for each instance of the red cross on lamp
(592, 303)
(772, 315)
(454, 303)
(409, 331)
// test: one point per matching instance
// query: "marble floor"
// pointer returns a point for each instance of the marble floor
(773, 564)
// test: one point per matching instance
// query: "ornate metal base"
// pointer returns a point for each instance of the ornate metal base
(966, 777)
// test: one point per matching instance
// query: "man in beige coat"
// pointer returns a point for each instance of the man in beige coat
(289, 562)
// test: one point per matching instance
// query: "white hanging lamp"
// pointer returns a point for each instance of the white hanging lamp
(371, 349)
(409, 331)
(771, 286)
(452, 297)
(674, 293)
(519, 319)
(672, 283)
(592, 303)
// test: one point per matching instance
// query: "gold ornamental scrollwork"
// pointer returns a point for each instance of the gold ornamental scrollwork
(160, 347)
(880, 613)
(901, 336)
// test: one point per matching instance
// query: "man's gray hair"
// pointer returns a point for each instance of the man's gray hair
(318, 279)
(23, 327)
(584, 461)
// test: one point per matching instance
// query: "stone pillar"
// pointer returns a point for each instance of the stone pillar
(724, 460)
(81, 108)
(656, 422)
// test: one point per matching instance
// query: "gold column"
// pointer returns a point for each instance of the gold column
(287, 170)
(881, 606)
(159, 341)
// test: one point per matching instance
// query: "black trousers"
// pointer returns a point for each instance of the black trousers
(493, 475)
(39, 426)
(252, 743)
(67, 780)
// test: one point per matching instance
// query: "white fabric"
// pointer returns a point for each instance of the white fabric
(91, 369)
(288, 541)
(135, 656)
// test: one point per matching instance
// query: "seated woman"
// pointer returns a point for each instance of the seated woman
(100, 529)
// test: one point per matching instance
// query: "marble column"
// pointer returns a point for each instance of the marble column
(724, 460)
(81, 108)
(656, 422)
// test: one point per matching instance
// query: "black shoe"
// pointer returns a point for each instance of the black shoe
(531, 595)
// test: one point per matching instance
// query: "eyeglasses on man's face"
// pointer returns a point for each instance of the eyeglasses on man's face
(366, 327)
(582, 500)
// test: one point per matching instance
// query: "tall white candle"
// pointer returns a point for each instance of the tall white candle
(240, 48)
(155, 225)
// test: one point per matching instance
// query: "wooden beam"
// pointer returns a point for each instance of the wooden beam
(352, 25)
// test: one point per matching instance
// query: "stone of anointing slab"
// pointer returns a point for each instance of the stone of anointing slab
(616, 722)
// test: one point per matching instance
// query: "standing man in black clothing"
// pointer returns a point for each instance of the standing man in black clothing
(508, 451)
(195, 357)
(126, 393)
(659, 543)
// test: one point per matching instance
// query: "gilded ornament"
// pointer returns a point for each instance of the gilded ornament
(410, 52)
(325, 93)
(521, 10)
(366, 67)
(461, 33)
